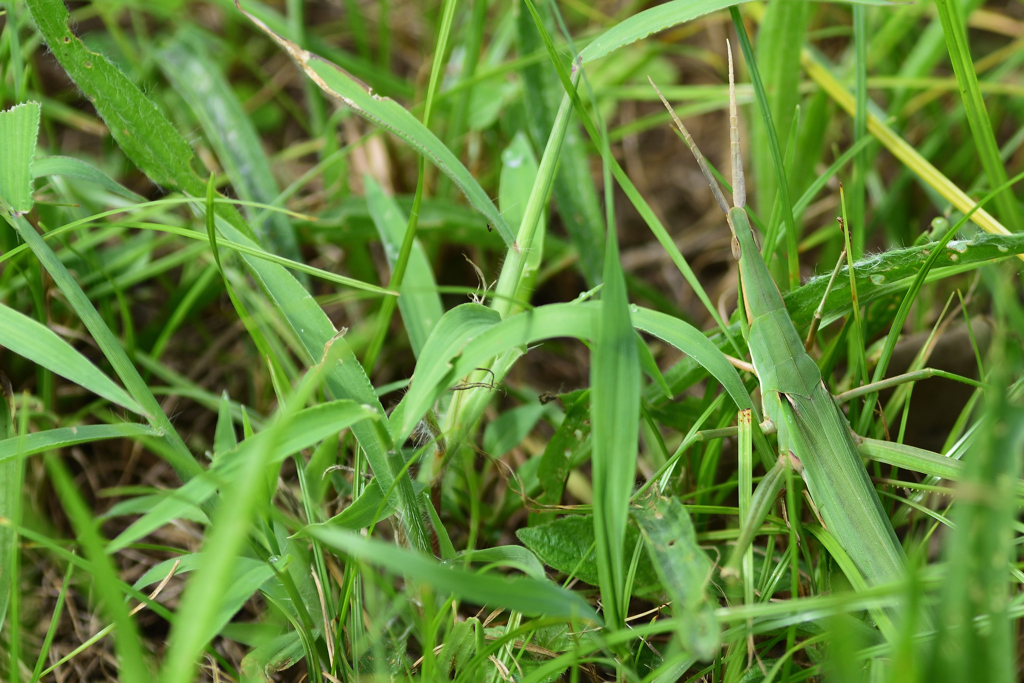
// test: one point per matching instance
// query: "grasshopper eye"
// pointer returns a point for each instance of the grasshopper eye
(736, 248)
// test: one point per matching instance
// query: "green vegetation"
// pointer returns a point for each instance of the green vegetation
(403, 341)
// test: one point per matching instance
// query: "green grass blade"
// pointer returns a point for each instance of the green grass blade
(983, 547)
(71, 167)
(63, 437)
(977, 113)
(19, 128)
(615, 417)
(779, 39)
(36, 342)
(522, 594)
(132, 665)
(302, 430)
(345, 378)
(773, 145)
(393, 117)
(419, 302)
(157, 148)
(243, 477)
(573, 191)
(183, 461)
(519, 177)
(10, 508)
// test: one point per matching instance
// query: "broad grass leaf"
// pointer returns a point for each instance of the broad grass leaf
(684, 570)
(36, 342)
(522, 594)
(138, 125)
(19, 128)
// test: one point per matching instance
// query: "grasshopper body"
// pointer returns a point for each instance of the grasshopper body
(809, 422)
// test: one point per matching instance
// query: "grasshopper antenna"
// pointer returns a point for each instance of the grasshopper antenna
(688, 139)
(739, 185)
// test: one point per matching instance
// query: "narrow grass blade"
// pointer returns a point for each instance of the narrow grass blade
(899, 147)
(71, 167)
(10, 508)
(62, 437)
(183, 462)
(419, 302)
(684, 569)
(302, 430)
(393, 117)
(19, 127)
(573, 191)
(36, 342)
(132, 665)
(522, 594)
(529, 230)
(977, 113)
(983, 550)
(782, 183)
(779, 39)
(345, 378)
(615, 418)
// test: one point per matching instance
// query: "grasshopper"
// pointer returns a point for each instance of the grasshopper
(812, 431)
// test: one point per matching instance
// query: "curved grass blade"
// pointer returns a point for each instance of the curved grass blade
(36, 342)
(522, 594)
(303, 429)
(391, 116)
(977, 113)
(475, 335)
(71, 167)
(62, 437)
(659, 18)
